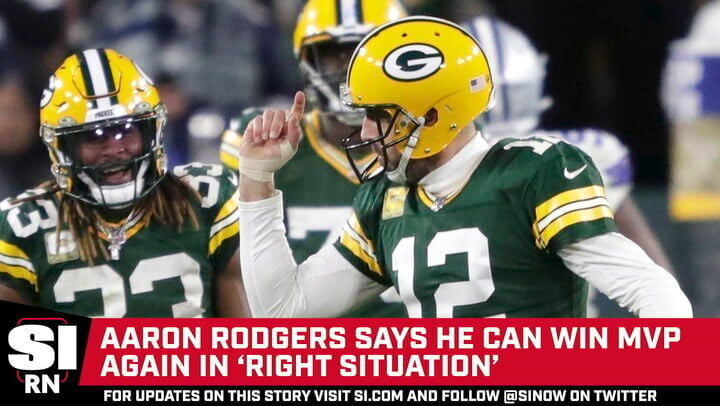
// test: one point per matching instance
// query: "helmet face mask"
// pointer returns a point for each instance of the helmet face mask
(323, 68)
(394, 127)
(109, 182)
(97, 100)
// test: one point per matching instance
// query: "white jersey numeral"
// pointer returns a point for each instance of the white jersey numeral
(25, 224)
(539, 144)
(302, 220)
(478, 287)
(145, 274)
(207, 185)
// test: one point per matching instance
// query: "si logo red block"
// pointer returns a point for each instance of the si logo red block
(46, 352)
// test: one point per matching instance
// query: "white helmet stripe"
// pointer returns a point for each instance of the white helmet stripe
(349, 12)
(97, 77)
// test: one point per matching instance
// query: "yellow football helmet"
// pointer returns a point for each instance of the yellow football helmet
(404, 69)
(326, 34)
(99, 93)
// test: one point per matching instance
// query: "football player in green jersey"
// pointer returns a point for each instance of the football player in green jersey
(326, 34)
(114, 235)
(458, 227)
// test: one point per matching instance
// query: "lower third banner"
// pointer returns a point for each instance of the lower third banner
(319, 361)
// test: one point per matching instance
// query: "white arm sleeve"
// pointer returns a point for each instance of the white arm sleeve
(325, 285)
(620, 269)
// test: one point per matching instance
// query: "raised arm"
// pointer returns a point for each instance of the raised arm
(325, 284)
(269, 142)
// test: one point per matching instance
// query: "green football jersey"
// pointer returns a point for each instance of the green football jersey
(160, 272)
(490, 249)
(318, 187)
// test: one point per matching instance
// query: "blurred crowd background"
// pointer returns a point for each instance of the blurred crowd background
(212, 58)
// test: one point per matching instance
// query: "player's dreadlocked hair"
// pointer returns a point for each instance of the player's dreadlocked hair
(169, 203)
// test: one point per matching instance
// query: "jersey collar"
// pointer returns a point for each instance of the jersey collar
(447, 180)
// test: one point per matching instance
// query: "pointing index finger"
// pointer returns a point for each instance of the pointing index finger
(298, 107)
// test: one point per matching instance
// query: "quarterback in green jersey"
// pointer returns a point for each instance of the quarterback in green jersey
(458, 227)
(319, 181)
(114, 235)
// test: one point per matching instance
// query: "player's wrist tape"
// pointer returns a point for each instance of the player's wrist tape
(262, 170)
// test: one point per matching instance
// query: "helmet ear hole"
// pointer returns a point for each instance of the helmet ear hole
(431, 117)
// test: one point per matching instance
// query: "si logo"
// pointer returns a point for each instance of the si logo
(47, 350)
(412, 62)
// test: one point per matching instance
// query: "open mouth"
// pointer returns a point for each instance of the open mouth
(116, 175)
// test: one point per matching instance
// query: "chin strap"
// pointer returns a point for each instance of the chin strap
(398, 175)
